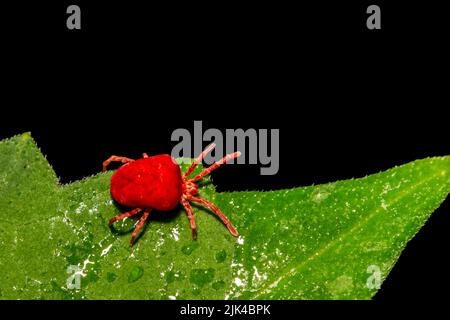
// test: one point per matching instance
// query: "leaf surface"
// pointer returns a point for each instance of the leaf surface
(331, 241)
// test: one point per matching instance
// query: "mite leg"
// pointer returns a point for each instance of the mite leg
(144, 155)
(190, 214)
(217, 211)
(199, 159)
(139, 226)
(125, 215)
(216, 165)
(115, 158)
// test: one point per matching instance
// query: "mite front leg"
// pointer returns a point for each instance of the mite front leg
(199, 159)
(190, 214)
(139, 226)
(125, 215)
(217, 211)
(115, 158)
(216, 165)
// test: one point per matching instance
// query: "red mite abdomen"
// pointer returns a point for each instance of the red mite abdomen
(153, 182)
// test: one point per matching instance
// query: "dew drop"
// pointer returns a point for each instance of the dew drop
(196, 291)
(171, 276)
(188, 249)
(111, 276)
(221, 256)
(201, 277)
(218, 285)
(135, 274)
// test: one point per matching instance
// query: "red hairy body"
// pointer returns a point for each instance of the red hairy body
(157, 183)
(153, 182)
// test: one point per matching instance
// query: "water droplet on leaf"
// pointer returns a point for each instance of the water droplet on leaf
(201, 277)
(221, 256)
(135, 274)
(188, 249)
(110, 276)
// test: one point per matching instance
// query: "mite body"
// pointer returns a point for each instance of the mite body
(157, 183)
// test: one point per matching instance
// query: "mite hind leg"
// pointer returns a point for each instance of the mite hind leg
(113, 159)
(139, 226)
(217, 212)
(190, 215)
(125, 215)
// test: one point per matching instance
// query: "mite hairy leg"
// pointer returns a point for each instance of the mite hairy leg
(113, 159)
(190, 214)
(139, 225)
(216, 211)
(125, 215)
(199, 159)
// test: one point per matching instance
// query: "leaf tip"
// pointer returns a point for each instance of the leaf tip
(26, 136)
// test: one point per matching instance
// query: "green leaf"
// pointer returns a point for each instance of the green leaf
(332, 241)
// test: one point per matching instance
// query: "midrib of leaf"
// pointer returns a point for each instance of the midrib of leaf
(289, 271)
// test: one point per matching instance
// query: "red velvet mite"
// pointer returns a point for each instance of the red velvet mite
(156, 183)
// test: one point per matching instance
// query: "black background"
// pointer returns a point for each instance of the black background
(348, 101)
